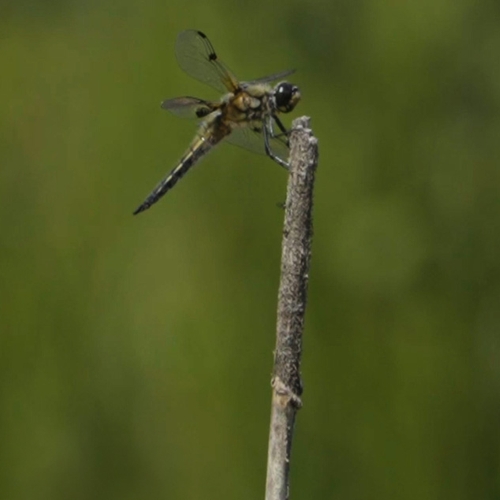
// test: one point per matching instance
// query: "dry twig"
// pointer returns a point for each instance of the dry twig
(295, 258)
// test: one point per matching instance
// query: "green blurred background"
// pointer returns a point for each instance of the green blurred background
(135, 352)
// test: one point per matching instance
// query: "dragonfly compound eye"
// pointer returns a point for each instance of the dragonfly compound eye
(287, 96)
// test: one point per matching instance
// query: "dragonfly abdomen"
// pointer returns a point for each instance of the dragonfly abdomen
(203, 143)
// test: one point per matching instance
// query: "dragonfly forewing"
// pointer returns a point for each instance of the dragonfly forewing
(197, 57)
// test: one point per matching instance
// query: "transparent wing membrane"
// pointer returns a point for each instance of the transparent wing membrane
(197, 57)
(251, 138)
(189, 107)
(270, 78)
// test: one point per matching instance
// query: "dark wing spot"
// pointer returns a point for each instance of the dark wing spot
(202, 112)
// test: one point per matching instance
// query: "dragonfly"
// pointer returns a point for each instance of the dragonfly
(246, 115)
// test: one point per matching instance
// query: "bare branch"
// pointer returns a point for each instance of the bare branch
(292, 298)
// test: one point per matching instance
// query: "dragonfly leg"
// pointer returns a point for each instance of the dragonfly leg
(284, 131)
(269, 134)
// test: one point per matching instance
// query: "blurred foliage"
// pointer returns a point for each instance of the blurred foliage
(135, 353)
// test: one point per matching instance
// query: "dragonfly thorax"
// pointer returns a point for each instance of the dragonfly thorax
(246, 106)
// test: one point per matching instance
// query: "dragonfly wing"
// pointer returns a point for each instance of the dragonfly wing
(189, 107)
(251, 138)
(197, 57)
(270, 78)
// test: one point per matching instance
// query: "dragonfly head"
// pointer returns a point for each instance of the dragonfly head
(286, 96)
